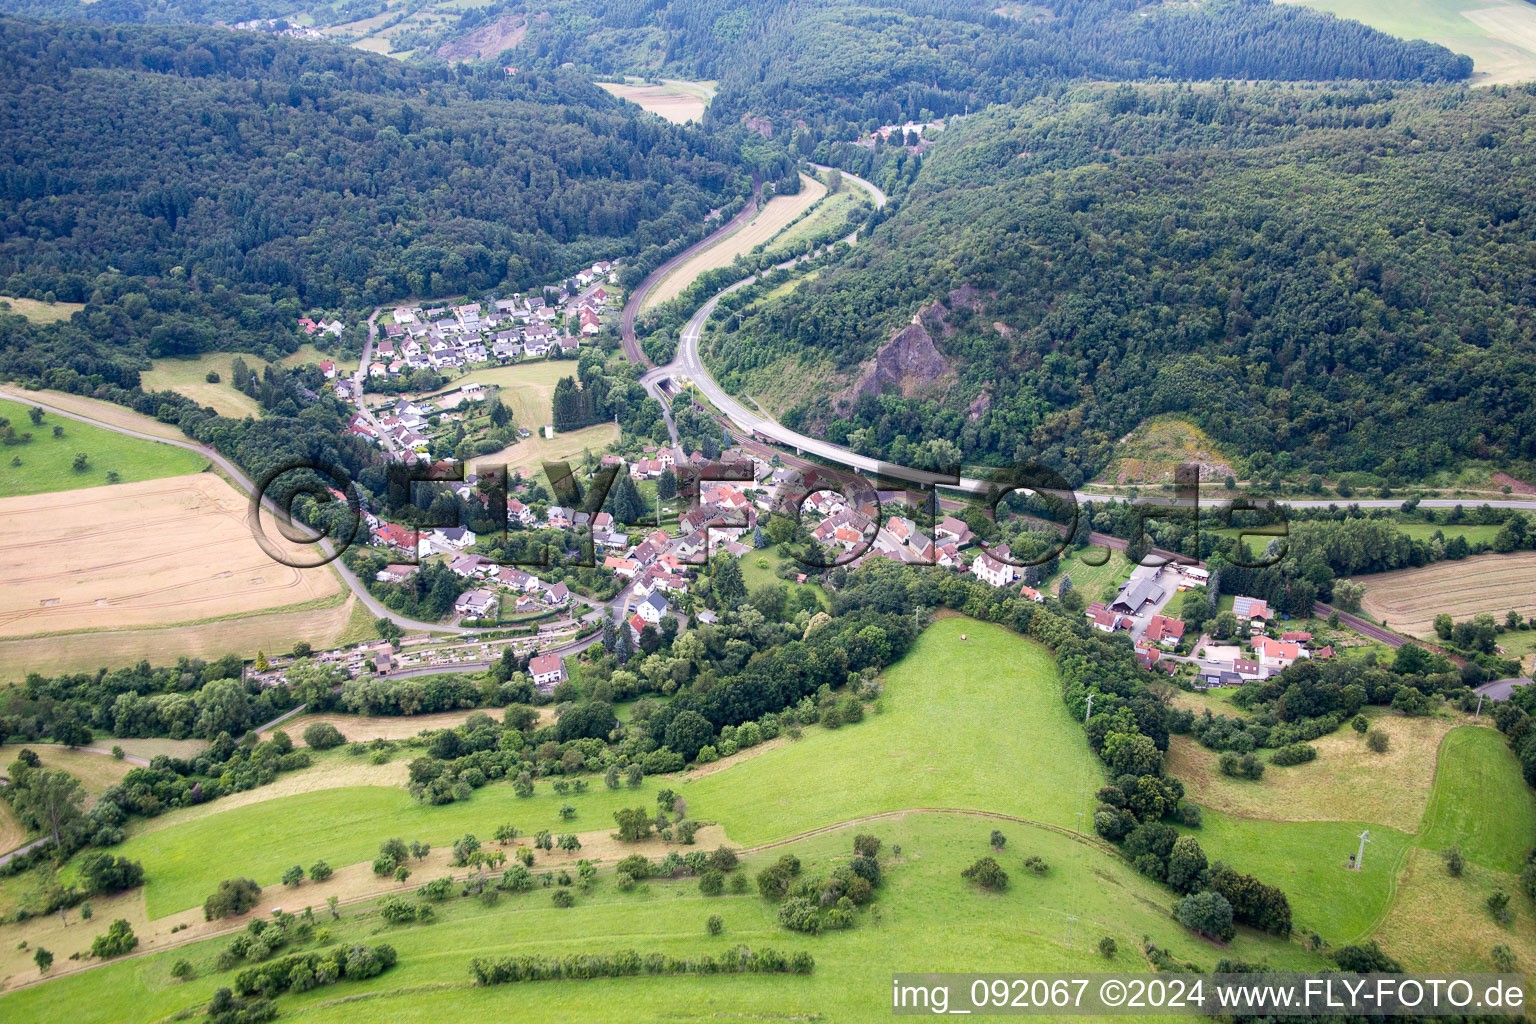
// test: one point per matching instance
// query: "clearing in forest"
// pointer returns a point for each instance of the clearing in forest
(677, 101)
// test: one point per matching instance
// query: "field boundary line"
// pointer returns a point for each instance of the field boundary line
(1086, 840)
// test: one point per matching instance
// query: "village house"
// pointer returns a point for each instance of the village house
(475, 604)
(653, 608)
(547, 671)
(1135, 593)
(1275, 655)
(396, 573)
(455, 538)
(1164, 631)
(992, 569)
(1252, 609)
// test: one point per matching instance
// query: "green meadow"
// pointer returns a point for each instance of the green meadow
(966, 723)
(1309, 860)
(970, 721)
(976, 723)
(925, 917)
(45, 463)
(1480, 802)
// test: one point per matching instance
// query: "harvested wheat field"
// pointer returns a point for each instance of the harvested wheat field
(1347, 782)
(1409, 599)
(383, 727)
(143, 554)
(320, 627)
(678, 102)
(770, 220)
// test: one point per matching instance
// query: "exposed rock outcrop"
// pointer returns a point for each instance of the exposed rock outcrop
(909, 363)
(488, 41)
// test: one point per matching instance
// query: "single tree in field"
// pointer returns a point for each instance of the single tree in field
(293, 876)
(81, 459)
(43, 959)
(58, 431)
(402, 873)
(1455, 863)
(113, 476)
(48, 799)
(331, 904)
(986, 873)
(35, 414)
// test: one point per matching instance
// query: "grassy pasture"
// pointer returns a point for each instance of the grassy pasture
(929, 919)
(46, 461)
(526, 388)
(973, 723)
(530, 454)
(96, 772)
(1308, 859)
(926, 750)
(830, 212)
(189, 377)
(1096, 582)
(1149, 454)
(1409, 599)
(1346, 782)
(1442, 923)
(756, 576)
(343, 825)
(1480, 801)
(97, 409)
(39, 312)
(371, 727)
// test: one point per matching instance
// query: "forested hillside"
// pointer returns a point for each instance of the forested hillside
(1339, 278)
(823, 68)
(326, 174)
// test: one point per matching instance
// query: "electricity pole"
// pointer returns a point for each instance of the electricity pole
(1079, 822)
(1070, 919)
(1479, 708)
(1365, 837)
(1089, 713)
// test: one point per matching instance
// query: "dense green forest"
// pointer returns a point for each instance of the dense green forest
(823, 69)
(323, 173)
(1322, 278)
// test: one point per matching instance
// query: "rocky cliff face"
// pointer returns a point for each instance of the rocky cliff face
(908, 363)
